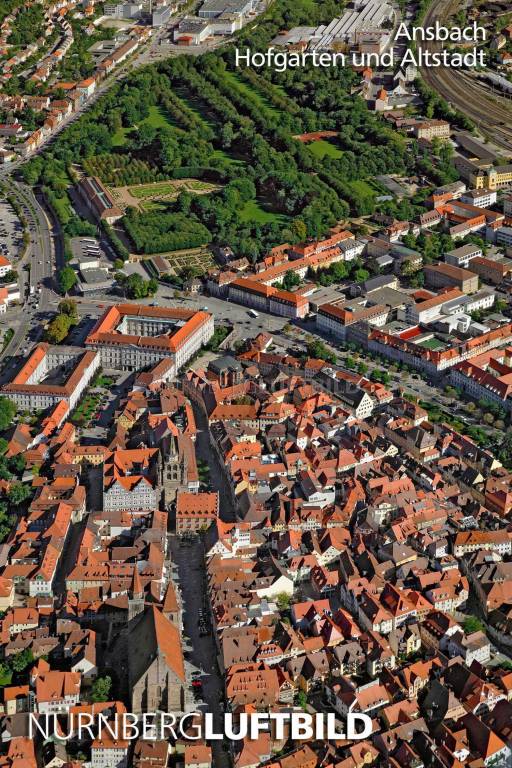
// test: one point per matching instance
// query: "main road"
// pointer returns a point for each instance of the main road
(491, 112)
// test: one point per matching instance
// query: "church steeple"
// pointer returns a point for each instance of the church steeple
(135, 596)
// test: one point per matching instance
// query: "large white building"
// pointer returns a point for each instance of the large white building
(132, 336)
(450, 303)
(50, 375)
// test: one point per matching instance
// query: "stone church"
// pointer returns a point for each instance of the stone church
(156, 665)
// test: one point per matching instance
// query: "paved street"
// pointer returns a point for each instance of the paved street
(190, 573)
(218, 481)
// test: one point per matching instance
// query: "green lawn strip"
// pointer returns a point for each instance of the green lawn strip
(220, 153)
(5, 679)
(158, 118)
(255, 95)
(63, 207)
(153, 190)
(201, 110)
(361, 187)
(149, 206)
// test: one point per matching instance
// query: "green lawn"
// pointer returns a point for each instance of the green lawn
(102, 381)
(433, 344)
(119, 138)
(323, 148)
(154, 205)
(363, 188)
(199, 185)
(219, 153)
(63, 207)
(157, 118)
(253, 212)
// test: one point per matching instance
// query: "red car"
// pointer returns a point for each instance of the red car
(197, 684)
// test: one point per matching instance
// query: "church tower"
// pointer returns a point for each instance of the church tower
(135, 596)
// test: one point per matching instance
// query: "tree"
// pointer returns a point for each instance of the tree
(21, 660)
(69, 307)
(473, 624)
(17, 464)
(58, 329)
(10, 277)
(318, 350)
(5, 673)
(283, 601)
(219, 334)
(408, 267)
(302, 700)
(299, 229)
(67, 279)
(360, 275)
(6, 521)
(7, 413)
(18, 493)
(100, 690)
(138, 288)
(291, 280)
(227, 135)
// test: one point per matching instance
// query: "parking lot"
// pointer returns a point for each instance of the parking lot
(89, 249)
(11, 232)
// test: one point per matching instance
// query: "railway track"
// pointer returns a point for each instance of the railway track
(491, 113)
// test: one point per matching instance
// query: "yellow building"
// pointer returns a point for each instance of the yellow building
(492, 177)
